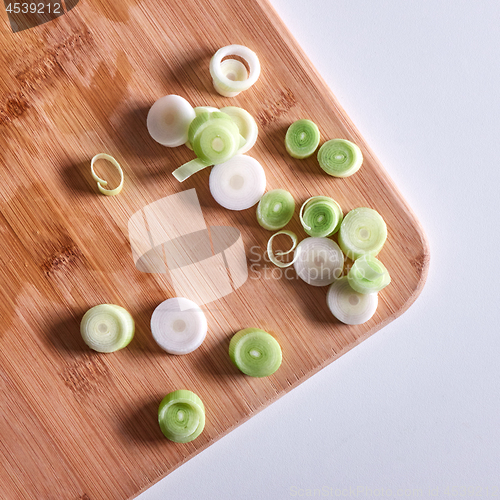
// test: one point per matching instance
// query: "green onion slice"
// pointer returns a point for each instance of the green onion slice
(340, 158)
(271, 254)
(349, 306)
(320, 216)
(302, 139)
(318, 261)
(246, 125)
(198, 110)
(228, 78)
(275, 209)
(368, 275)
(362, 232)
(102, 182)
(188, 169)
(255, 352)
(169, 119)
(181, 416)
(107, 328)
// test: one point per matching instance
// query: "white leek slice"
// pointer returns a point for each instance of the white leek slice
(320, 216)
(246, 124)
(224, 85)
(255, 352)
(169, 119)
(234, 70)
(349, 306)
(368, 275)
(178, 325)
(190, 168)
(271, 254)
(362, 232)
(181, 416)
(318, 261)
(102, 182)
(107, 328)
(239, 183)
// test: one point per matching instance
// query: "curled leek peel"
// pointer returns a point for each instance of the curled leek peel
(239, 183)
(271, 254)
(188, 169)
(169, 119)
(198, 110)
(255, 352)
(362, 232)
(275, 209)
(340, 158)
(318, 261)
(368, 275)
(102, 182)
(302, 139)
(246, 125)
(320, 216)
(107, 328)
(178, 325)
(226, 76)
(214, 137)
(349, 306)
(181, 416)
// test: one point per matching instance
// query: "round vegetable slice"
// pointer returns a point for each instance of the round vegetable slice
(198, 110)
(181, 416)
(320, 216)
(239, 183)
(107, 328)
(169, 119)
(368, 275)
(340, 158)
(318, 261)
(178, 325)
(102, 182)
(302, 139)
(255, 352)
(362, 232)
(270, 252)
(349, 306)
(246, 124)
(275, 209)
(222, 75)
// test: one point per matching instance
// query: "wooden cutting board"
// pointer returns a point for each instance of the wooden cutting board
(76, 424)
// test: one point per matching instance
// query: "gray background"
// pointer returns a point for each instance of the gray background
(414, 409)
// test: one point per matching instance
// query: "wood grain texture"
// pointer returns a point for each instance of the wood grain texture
(75, 424)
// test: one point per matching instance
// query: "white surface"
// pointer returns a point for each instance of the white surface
(416, 406)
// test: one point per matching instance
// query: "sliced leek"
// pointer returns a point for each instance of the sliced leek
(107, 328)
(275, 209)
(320, 216)
(226, 76)
(340, 158)
(188, 169)
(239, 183)
(368, 275)
(169, 119)
(246, 125)
(198, 110)
(302, 139)
(102, 182)
(255, 352)
(362, 232)
(271, 254)
(349, 306)
(178, 325)
(181, 416)
(318, 261)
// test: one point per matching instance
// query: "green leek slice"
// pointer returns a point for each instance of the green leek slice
(107, 328)
(275, 209)
(368, 275)
(340, 158)
(198, 110)
(102, 182)
(320, 216)
(302, 139)
(255, 352)
(271, 254)
(181, 416)
(362, 232)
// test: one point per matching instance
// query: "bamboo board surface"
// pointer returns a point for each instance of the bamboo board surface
(76, 424)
